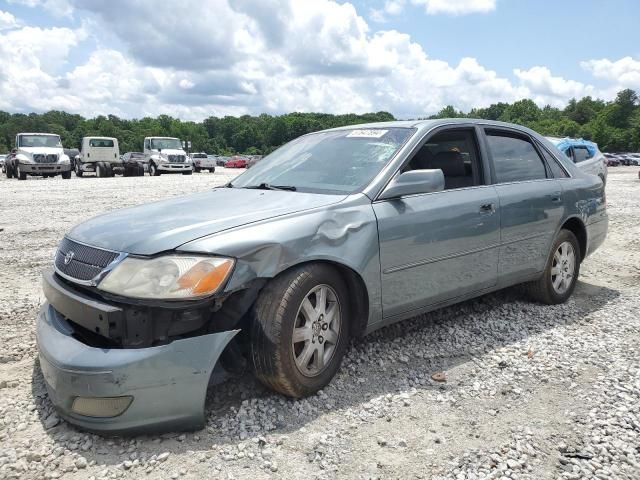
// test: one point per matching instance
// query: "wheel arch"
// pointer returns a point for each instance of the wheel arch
(357, 293)
(577, 227)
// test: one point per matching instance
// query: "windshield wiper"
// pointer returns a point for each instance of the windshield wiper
(268, 186)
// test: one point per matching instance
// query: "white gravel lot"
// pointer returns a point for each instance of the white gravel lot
(531, 391)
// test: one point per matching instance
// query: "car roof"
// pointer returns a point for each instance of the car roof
(107, 138)
(423, 125)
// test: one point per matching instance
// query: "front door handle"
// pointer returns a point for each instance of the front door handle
(487, 208)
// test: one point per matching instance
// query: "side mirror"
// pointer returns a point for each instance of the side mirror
(14, 150)
(414, 182)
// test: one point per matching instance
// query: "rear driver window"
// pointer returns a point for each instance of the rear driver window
(515, 159)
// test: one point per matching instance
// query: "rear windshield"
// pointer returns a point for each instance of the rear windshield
(198, 155)
(101, 142)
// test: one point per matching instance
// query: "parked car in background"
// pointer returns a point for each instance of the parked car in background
(612, 159)
(221, 161)
(72, 153)
(584, 154)
(37, 154)
(629, 159)
(2, 157)
(332, 236)
(236, 162)
(166, 155)
(202, 161)
(138, 157)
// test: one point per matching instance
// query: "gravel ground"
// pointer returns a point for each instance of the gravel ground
(497, 387)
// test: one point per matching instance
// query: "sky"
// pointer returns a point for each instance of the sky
(192, 59)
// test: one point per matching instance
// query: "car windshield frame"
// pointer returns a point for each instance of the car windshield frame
(170, 143)
(58, 144)
(364, 153)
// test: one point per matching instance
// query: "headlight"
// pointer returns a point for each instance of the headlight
(64, 159)
(172, 277)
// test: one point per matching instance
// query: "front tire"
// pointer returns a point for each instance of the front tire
(188, 172)
(20, 175)
(561, 273)
(300, 330)
(153, 170)
(77, 169)
(66, 175)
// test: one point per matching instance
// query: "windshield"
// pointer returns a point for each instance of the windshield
(101, 142)
(39, 141)
(340, 161)
(162, 143)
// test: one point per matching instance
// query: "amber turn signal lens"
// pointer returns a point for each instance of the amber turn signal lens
(205, 277)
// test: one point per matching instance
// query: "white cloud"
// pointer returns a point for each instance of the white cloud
(544, 88)
(7, 21)
(307, 56)
(624, 73)
(456, 7)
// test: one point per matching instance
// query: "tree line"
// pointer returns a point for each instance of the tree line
(614, 125)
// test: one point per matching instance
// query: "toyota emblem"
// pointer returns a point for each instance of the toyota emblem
(68, 257)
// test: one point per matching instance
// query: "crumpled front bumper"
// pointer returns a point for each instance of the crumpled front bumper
(168, 383)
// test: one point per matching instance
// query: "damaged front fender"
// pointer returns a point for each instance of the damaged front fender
(344, 233)
(167, 383)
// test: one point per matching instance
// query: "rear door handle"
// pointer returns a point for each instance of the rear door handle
(555, 197)
(487, 208)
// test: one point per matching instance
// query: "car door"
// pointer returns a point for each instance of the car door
(440, 245)
(530, 202)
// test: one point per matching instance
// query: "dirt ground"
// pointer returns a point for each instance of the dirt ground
(531, 391)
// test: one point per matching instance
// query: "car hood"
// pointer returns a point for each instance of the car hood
(41, 150)
(165, 225)
(170, 151)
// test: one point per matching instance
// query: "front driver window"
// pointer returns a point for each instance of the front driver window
(455, 153)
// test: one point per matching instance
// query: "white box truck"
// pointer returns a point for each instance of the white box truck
(102, 156)
(166, 155)
(38, 154)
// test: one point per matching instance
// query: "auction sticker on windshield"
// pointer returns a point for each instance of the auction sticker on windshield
(367, 133)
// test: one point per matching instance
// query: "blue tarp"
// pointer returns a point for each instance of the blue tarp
(570, 142)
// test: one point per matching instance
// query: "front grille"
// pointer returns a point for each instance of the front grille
(42, 158)
(176, 158)
(86, 262)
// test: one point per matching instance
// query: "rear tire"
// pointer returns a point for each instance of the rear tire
(100, 170)
(292, 303)
(7, 171)
(561, 273)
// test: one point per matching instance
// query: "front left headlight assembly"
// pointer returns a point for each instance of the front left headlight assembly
(170, 277)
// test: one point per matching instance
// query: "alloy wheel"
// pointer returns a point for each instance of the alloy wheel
(316, 330)
(563, 267)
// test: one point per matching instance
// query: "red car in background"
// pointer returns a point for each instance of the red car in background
(237, 162)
